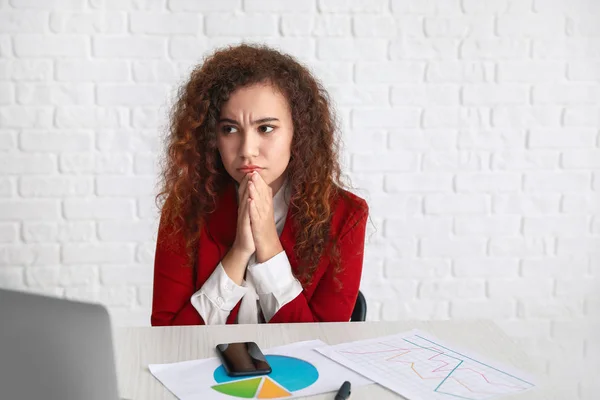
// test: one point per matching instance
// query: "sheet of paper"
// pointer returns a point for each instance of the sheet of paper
(418, 366)
(298, 370)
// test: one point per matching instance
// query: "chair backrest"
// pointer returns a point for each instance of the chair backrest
(360, 308)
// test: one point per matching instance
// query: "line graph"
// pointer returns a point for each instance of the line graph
(423, 367)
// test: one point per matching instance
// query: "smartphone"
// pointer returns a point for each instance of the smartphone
(243, 359)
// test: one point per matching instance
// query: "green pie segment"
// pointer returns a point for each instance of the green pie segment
(245, 389)
(289, 374)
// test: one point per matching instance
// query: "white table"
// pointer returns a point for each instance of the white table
(138, 347)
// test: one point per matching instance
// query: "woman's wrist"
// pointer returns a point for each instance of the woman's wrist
(269, 250)
(234, 263)
(240, 251)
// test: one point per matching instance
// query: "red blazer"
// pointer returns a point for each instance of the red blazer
(319, 302)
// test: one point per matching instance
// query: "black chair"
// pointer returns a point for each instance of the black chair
(360, 308)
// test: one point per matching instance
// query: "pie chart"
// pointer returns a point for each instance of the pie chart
(288, 375)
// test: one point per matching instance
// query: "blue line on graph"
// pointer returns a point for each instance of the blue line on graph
(479, 362)
(427, 348)
(447, 376)
(457, 396)
(460, 362)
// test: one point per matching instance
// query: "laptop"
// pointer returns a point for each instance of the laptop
(55, 349)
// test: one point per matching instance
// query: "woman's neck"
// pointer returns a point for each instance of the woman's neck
(277, 184)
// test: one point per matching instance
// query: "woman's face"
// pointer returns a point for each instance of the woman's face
(254, 132)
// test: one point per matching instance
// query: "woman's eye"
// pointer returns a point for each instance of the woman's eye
(228, 129)
(266, 128)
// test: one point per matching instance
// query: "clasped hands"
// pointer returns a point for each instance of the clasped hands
(256, 229)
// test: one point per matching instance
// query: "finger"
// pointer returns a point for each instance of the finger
(251, 213)
(258, 192)
(252, 192)
(259, 201)
(260, 186)
(244, 183)
(242, 210)
(247, 218)
(267, 188)
(266, 195)
(243, 199)
(243, 189)
(254, 214)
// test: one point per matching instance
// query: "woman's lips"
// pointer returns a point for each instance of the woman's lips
(249, 169)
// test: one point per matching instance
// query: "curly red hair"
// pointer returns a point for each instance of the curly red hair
(193, 173)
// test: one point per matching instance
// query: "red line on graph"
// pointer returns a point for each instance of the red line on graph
(378, 351)
(441, 368)
(487, 380)
(412, 363)
(469, 389)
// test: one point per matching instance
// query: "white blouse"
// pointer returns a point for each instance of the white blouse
(267, 286)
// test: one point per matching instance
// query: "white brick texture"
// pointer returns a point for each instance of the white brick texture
(471, 127)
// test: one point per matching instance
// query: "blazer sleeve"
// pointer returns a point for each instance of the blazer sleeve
(173, 282)
(328, 304)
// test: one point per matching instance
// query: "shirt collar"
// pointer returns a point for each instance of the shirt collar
(281, 201)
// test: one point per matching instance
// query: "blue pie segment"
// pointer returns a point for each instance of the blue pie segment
(289, 372)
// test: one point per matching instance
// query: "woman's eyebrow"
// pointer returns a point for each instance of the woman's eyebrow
(258, 121)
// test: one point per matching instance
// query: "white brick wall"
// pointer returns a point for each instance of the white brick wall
(472, 127)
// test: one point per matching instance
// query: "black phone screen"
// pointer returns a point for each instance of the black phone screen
(243, 358)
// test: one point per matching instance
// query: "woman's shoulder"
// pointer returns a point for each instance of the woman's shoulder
(348, 210)
(351, 202)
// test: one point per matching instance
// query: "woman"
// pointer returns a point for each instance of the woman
(255, 225)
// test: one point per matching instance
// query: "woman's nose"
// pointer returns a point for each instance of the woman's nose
(249, 146)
